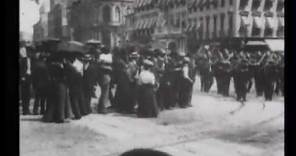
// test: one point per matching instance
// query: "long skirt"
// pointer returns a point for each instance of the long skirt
(57, 98)
(123, 101)
(147, 105)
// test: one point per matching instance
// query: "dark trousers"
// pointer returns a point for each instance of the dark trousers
(88, 91)
(225, 82)
(25, 95)
(160, 96)
(174, 86)
(78, 105)
(259, 81)
(105, 90)
(240, 85)
(219, 84)
(208, 82)
(268, 89)
(40, 100)
(186, 88)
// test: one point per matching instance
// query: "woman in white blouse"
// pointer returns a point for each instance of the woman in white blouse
(147, 105)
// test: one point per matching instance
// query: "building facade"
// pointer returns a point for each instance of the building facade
(38, 31)
(188, 24)
(158, 22)
(228, 22)
(58, 21)
(99, 19)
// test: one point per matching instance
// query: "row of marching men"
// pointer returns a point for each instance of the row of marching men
(145, 82)
(264, 69)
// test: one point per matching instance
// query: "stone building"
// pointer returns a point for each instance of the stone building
(159, 22)
(40, 29)
(229, 22)
(58, 22)
(99, 19)
(188, 24)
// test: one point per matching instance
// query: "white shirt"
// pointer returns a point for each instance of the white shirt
(107, 58)
(78, 65)
(23, 52)
(146, 77)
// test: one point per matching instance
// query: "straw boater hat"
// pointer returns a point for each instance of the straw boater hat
(148, 63)
(134, 54)
(182, 54)
(186, 59)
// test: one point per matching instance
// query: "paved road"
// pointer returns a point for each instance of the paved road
(213, 126)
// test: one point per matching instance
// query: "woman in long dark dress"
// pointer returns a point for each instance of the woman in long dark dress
(147, 104)
(57, 97)
(123, 100)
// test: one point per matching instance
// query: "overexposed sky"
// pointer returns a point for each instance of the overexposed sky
(29, 15)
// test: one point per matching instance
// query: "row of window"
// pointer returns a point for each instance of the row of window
(269, 4)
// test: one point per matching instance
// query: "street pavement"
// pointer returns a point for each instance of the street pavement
(215, 125)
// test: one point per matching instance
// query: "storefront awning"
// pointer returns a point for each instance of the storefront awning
(256, 43)
(258, 22)
(270, 22)
(276, 44)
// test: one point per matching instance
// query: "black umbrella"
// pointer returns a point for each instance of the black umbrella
(72, 47)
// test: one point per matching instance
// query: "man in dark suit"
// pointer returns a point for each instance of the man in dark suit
(40, 81)
(90, 79)
(25, 79)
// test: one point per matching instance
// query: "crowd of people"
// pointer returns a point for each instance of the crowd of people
(146, 81)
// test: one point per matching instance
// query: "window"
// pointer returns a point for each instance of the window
(222, 18)
(215, 4)
(201, 28)
(256, 4)
(243, 4)
(215, 26)
(268, 5)
(257, 25)
(281, 31)
(280, 5)
(107, 14)
(230, 24)
(117, 14)
(208, 4)
(268, 32)
(222, 3)
(207, 27)
(256, 31)
(230, 2)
